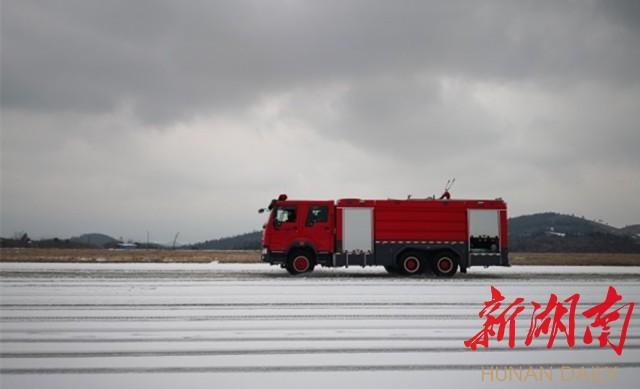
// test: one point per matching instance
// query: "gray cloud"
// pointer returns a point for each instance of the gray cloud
(172, 60)
(177, 115)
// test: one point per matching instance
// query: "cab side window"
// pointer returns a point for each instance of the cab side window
(285, 215)
(317, 214)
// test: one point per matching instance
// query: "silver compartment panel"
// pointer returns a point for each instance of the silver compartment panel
(357, 227)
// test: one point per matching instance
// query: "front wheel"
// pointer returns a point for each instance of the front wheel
(299, 263)
(445, 264)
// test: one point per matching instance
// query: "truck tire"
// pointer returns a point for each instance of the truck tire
(300, 262)
(410, 263)
(445, 264)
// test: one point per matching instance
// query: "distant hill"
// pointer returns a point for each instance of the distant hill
(95, 240)
(554, 232)
(25, 241)
(105, 241)
(633, 230)
(248, 241)
(541, 222)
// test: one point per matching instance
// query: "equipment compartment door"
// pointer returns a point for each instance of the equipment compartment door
(357, 227)
(484, 231)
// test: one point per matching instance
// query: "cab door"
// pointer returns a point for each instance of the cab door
(285, 227)
(319, 226)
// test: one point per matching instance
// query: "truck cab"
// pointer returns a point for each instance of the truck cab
(297, 228)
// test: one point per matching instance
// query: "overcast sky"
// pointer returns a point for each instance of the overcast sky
(130, 116)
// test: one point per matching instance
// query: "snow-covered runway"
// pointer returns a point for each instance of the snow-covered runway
(253, 326)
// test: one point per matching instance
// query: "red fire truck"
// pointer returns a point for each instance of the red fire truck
(406, 236)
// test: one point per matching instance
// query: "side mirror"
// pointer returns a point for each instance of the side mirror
(261, 210)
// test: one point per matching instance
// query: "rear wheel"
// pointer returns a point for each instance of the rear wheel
(445, 264)
(410, 263)
(300, 262)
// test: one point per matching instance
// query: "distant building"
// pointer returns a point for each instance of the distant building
(127, 245)
(552, 232)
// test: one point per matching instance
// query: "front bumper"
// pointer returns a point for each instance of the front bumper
(272, 257)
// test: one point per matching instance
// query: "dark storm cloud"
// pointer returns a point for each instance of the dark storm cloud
(624, 12)
(171, 60)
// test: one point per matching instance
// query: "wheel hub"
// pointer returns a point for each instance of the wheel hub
(444, 264)
(411, 264)
(301, 264)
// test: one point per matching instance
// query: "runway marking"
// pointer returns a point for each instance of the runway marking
(241, 340)
(284, 351)
(11, 319)
(326, 277)
(241, 305)
(297, 369)
(322, 327)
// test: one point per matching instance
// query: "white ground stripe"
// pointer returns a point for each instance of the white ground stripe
(308, 368)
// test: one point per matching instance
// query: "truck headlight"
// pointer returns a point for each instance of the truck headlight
(265, 251)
